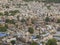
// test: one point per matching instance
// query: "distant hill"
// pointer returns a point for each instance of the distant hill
(47, 1)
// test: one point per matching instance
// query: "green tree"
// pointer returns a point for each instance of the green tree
(48, 7)
(34, 43)
(10, 21)
(31, 30)
(13, 12)
(51, 42)
(7, 6)
(33, 21)
(6, 25)
(1, 13)
(13, 42)
(6, 13)
(47, 19)
(37, 36)
(23, 20)
(58, 20)
(3, 29)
